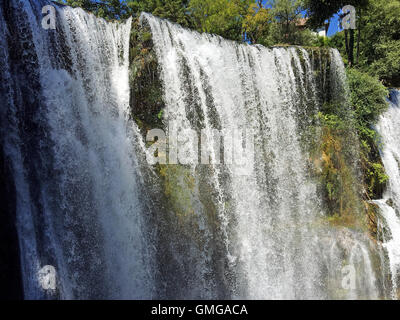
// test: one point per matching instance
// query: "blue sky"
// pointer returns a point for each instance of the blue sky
(334, 27)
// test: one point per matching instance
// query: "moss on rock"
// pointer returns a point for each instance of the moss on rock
(144, 77)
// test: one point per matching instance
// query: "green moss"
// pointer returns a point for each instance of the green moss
(344, 142)
(335, 173)
(179, 185)
(145, 83)
(145, 36)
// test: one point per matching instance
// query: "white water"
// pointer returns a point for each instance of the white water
(389, 129)
(267, 209)
(78, 194)
(392, 242)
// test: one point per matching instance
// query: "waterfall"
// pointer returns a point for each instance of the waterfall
(251, 226)
(67, 133)
(388, 128)
(268, 209)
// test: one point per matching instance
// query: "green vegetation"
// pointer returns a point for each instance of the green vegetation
(334, 170)
(221, 17)
(257, 23)
(377, 51)
(346, 141)
(110, 9)
(367, 96)
(321, 11)
(179, 184)
(379, 44)
(173, 10)
(372, 56)
(287, 28)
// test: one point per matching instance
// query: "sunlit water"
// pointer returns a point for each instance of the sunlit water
(253, 230)
(389, 129)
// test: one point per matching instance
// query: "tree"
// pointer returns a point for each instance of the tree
(380, 48)
(286, 29)
(257, 23)
(318, 11)
(222, 17)
(113, 9)
(108, 9)
(173, 10)
(88, 5)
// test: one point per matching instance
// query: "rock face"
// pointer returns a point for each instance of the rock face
(146, 99)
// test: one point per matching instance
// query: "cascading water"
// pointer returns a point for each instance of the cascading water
(66, 129)
(113, 227)
(389, 129)
(268, 209)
